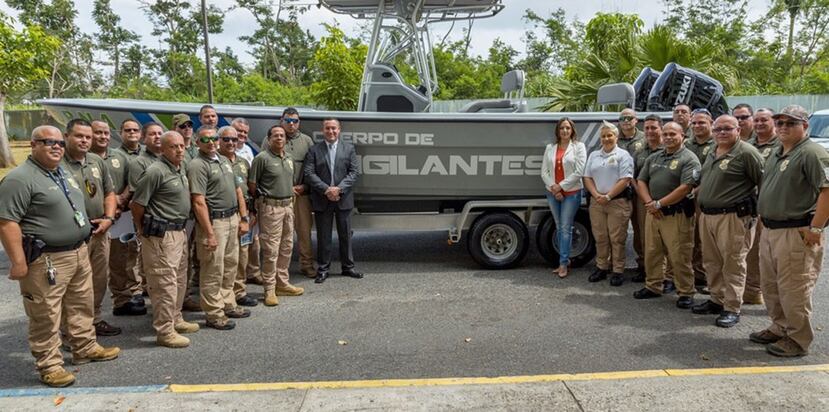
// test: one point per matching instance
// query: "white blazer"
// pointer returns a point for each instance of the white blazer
(574, 159)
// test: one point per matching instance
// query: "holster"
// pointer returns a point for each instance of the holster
(688, 207)
(32, 248)
(748, 207)
(154, 226)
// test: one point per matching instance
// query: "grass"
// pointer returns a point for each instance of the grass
(20, 150)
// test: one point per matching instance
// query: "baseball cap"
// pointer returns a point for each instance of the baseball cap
(181, 118)
(794, 111)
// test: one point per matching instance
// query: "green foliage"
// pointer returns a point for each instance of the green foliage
(112, 38)
(337, 71)
(25, 57)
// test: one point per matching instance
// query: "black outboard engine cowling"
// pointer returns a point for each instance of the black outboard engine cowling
(678, 85)
(642, 87)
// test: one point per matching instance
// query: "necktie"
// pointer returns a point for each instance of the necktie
(332, 152)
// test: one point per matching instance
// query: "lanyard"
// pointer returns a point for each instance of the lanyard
(60, 180)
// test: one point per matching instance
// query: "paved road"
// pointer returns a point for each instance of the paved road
(424, 310)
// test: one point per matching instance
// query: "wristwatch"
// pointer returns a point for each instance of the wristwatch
(607, 197)
(110, 218)
(245, 219)
(818, 230)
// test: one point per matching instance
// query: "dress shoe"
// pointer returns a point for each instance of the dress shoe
(227, 324)
(138, 300)
(129, 309)
(321, 277)
(645, 293)
(103, 328)
(685, 302)
(186, 327)
(728, 319)
(237, 313)
(60, 378)
(190, 305)
(640, 276)
(668, 287)
(289, 290)
(617, 279)
(703, 290)
(753, 299)
(246, 301)
(99, 354)
(173, 340)
(786, 348)
(707, 308)
(352, 274)
(597, 275)
(270, 298)
(254, 280)
(764, 337)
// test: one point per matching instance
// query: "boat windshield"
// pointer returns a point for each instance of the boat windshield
(819, 126)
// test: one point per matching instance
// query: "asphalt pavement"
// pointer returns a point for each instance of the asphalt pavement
(424, 310)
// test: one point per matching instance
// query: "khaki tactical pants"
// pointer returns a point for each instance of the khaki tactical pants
(753, 285)
(218, 267)
(124, 271)
(276, 234)
(240, 290)
(165, 267)
(254, 251)
(610, 229)
(726, 240)
(303, 221)
(99, 260)
(696, 262)
(789, 270)
(70, 297)
(670, 237)
(637, 219)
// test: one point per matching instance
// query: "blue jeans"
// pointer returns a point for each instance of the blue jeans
(564, 213)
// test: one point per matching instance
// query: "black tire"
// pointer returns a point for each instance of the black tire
(498, 240)
(584, 245)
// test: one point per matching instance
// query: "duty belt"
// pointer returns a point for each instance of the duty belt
(221, 214)
(787, 224)
(177, 225)
(718, 210)
(277, 202)
(57, 249)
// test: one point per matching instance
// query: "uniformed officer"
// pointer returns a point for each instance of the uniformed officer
(253, 274)
(208, 116)
(125, 258)
(184, 126)
(629, 135)
(765, 140)
(641, 151)
(744, 114)
(682, 115)
(794, 207)
(298, 146)
(151, 136)
(227, 148)
(271, 180)
(221, 214)
(665, 181)
(607, 176)
(727, 198)
(91, 172)
(43, 228)
(160, 208)
(701, 144)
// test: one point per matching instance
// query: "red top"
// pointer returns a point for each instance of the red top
(560, 169)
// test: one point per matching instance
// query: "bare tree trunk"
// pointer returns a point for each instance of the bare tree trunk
(117, 73)
(6, 158)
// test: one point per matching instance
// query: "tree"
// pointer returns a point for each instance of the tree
(25, 58)
(112, 38)
(337, 70)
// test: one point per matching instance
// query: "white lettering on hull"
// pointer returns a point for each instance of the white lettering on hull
(434, 165)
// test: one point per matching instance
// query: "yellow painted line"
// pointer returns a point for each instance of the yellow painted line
(751, 370)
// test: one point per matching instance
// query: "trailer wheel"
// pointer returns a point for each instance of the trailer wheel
(498, 241)
(583, 248)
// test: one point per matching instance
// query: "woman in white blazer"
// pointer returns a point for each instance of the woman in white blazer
(561, 172)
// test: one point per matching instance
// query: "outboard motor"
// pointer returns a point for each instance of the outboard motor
(678, 85)
(642, 87)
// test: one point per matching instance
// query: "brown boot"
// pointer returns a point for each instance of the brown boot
(58, 379)
(186, 327)
(753, 299)
(99, 354)
(289, 290)
(270, 298)
(173, 340)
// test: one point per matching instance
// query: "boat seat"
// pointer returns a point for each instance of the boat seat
(512, 85)
(387, 92)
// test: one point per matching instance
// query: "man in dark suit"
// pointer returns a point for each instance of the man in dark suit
(330, 172)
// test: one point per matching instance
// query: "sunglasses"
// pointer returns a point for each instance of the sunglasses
(787, 123)
(132, 130)
(230, 139)
(290, 120)
(52, 142)
(701, 111)
(724, 129)
(185, 126)
(742, 118)
(626, 118)
(208, 139)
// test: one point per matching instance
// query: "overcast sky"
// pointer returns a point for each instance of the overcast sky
(508, 25)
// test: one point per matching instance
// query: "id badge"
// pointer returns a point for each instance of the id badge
(80, 219)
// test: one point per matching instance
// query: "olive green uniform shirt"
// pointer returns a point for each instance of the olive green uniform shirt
(792, 181)
(701, 150)
(731, 178)
(631, 144)
(215, 180)
(272, 174)
(93, 176)
(38, 204)
(190, 152)
(164, 191)
(298, 148)
(766, 148)
(639, 157)
(117, 163)
(664, 172)
(138, 166)
(241, 167)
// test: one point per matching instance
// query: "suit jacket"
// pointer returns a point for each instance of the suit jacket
(318, 174)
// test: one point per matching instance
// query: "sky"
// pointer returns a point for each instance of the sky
(508, 25)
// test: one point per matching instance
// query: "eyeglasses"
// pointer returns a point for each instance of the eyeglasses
(724, 129)
(52, 142)
(230, 139)
(132, 130)
(208, 139)
(185, 126)
(290, 120)
(787, 123)
(742, 118)
(626, 118)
